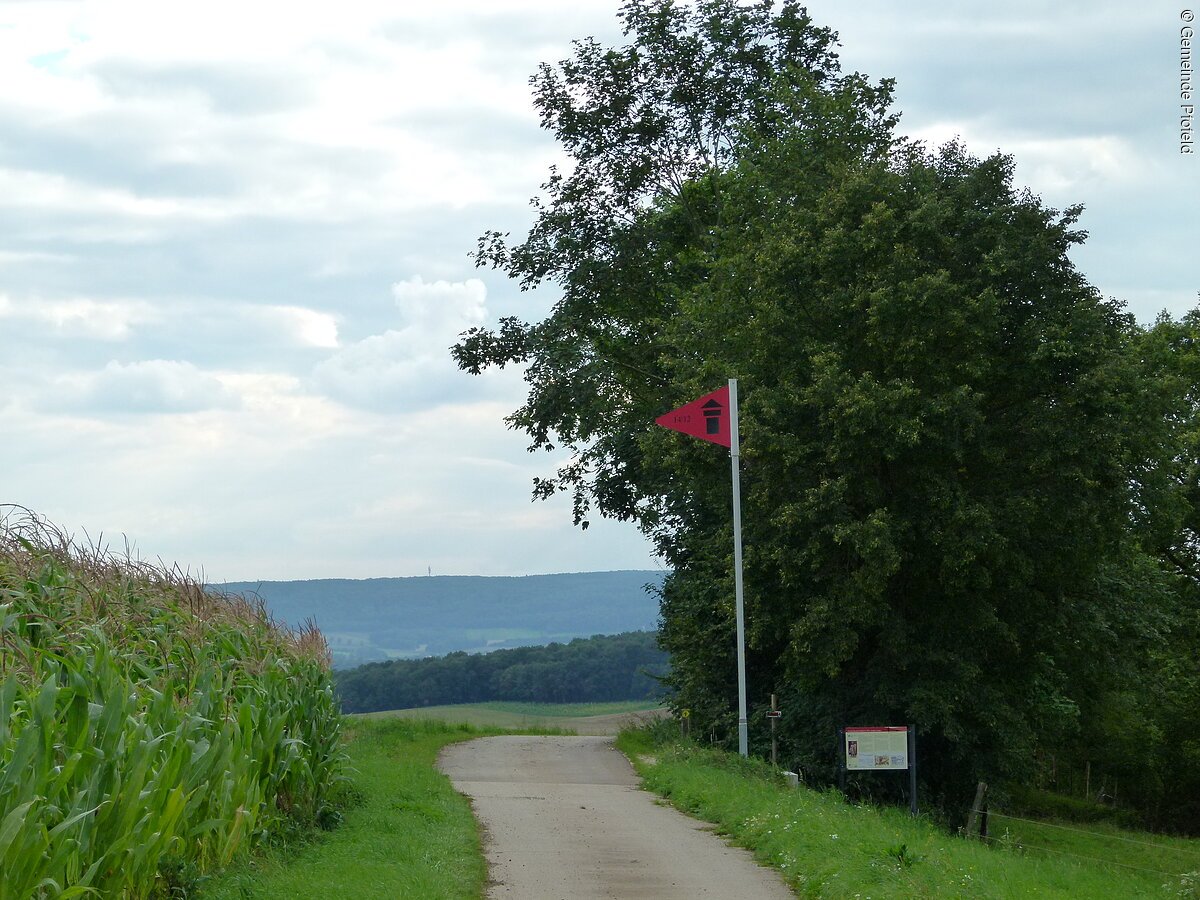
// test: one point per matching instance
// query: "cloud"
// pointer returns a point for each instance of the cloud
(106, 320)
(19, 257)
(437, 305)
(236, 89)
(203, 207)
(1052, 166)
(305, 327)
(410, 367)
(147, 387)
(135, 112)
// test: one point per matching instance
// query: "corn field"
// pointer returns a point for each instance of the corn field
(149, 730)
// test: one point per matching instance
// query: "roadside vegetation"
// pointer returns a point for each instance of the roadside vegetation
(407, 833)
(150, 731)
(826, 847)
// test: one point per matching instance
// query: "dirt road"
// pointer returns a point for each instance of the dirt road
(564, 820)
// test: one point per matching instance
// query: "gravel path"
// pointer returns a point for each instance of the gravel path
(564, 819)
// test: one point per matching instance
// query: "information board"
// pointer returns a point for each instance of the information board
(880, 747)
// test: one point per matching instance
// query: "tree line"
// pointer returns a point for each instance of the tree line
(971, 483)
(602, 668)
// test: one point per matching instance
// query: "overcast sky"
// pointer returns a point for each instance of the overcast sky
(234, 238)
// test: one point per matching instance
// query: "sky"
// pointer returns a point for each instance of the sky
(234, 246)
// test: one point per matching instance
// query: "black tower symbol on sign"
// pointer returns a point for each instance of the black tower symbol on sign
(712, 417)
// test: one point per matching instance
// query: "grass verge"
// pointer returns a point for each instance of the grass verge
(828, 848)
(407, 834)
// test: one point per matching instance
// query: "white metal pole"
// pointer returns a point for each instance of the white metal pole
(735, 454)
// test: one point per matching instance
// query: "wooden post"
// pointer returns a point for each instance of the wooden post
(841, 756)
(976, 807)
(774, 764)
(912, 769)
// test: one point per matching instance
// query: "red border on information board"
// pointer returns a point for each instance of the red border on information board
(880, 728)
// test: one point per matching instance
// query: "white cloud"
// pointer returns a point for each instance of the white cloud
(108, 320)
(27, 190)
(1053, 166)
(307, 327)
(439, 305)
(203, 207)
(150, 386)
(165, 89)
(17, 257)
(410, 367)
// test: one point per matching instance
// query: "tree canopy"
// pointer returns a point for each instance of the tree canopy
(957, 503)
(586, 670)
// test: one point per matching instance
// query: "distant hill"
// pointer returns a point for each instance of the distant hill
(372, 619)
(586, 670)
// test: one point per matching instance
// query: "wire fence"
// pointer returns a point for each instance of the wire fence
(1191, 855)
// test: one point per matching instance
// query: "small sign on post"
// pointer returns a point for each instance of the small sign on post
(880, 748)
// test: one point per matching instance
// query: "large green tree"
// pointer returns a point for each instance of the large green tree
(652, 129)
(939, 436)
(936, 420)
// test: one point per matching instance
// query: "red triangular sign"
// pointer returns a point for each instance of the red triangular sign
(706, 417)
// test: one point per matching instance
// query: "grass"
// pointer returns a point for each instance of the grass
(1098, 842)
(572, 710)
(826, 847)
(581, 718)
(410, 834)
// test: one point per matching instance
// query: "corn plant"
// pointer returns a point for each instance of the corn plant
(147, 725)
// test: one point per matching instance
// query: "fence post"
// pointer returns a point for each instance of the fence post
(841, 751)
(912, 769)
(774, 764)
(976, 807)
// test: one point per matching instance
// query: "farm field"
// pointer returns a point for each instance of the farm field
(151, 732)
(580, 718)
